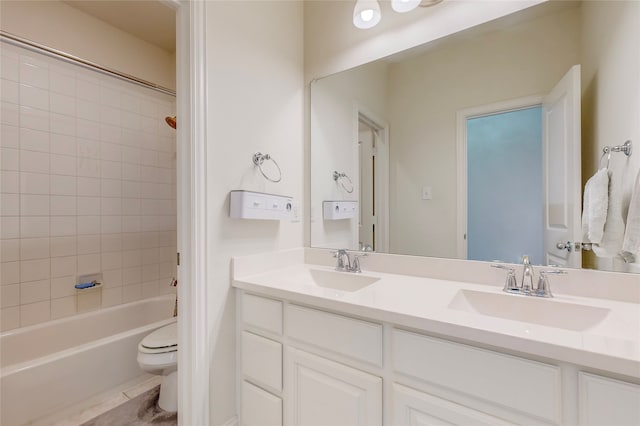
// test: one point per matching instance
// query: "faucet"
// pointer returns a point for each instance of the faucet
(526, 287)
(344, 263)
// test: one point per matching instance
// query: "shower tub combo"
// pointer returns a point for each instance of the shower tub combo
(48, 367)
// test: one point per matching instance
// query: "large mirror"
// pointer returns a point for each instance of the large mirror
(478, 146)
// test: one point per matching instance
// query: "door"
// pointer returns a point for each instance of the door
(367, 144)
(561, 170)
(323, 392)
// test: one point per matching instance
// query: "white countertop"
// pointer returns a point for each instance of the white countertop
(612, 345)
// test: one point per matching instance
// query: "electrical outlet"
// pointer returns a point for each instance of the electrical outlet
(426, 193)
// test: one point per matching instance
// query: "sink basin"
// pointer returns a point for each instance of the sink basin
(344, 281)
(533, 310)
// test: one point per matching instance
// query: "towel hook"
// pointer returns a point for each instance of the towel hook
(625, 148)
(338, 176)
(259, 158)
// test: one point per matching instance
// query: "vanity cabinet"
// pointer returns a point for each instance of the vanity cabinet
(605, 401)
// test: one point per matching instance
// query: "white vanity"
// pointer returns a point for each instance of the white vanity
(319, 347)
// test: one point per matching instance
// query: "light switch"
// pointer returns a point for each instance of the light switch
(426, 193)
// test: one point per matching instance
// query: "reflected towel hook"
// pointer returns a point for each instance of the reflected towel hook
(259, 158)
(338, 176)
(625, 148)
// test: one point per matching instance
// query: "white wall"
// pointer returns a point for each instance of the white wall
(425, 93)
(334, 130)
(611, 95)
(256, 95)
(60, 26)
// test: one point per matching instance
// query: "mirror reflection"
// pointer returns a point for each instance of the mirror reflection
(477, 146)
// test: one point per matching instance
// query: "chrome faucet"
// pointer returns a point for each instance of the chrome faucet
(344, 263)
(526, 285)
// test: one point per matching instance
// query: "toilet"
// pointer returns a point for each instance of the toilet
(158, 354)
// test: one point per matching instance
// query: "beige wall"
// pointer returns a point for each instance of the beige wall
(426, 92)
(256, 95)
(611, 96)
(60, 26)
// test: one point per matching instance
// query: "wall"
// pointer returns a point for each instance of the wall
(334, 127)
(425, 93)
(256, 95)
(60, 26)
(611, 98)
(88, 185)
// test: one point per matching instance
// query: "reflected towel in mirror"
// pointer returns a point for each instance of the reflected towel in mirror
(595, 206)
(631, 243)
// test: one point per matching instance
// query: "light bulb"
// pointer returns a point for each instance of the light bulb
(366, 14)
(403, 6)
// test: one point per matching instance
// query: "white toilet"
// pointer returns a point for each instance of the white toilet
(158, 354)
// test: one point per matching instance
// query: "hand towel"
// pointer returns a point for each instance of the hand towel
(611, 243)
(631, 242)
(595, 206)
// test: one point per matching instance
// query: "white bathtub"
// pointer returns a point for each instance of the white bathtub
(47, 367)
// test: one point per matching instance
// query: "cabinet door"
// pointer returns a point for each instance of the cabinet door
(259, 408)
(323, 392)
(605, 401)
(415, 408)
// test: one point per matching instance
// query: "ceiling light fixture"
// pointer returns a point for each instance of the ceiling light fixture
(366, 13)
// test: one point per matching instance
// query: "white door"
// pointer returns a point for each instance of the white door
(561, 170)
(366, 143)
(323, 392)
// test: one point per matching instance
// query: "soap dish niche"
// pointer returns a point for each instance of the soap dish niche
(90, 297)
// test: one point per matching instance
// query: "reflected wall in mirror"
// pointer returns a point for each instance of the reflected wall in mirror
(398, 127)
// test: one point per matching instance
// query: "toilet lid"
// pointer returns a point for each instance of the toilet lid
(163, 338)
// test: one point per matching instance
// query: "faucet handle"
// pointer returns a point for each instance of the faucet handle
(510, 284)
(544, 289)
(355, 262)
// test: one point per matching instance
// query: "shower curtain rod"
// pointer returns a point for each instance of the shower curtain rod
(32, 45)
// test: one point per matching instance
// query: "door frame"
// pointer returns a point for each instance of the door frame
(461, 156)
(360, 112)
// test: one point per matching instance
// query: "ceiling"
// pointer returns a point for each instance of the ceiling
(149, 20)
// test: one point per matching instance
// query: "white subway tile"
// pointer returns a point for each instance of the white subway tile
(34, 227)
(9, 182)
(88, 90)
(10, 250)
(166, 160)
(130, 172)
(9, 227)
(10, 91)
(35, 291)
(88, 244)
(112, 260)
(63, 286)
(110, 134)
(131, 293)
(149, 159)
(32, 270)
(34, 205)
(131, 241)
(150, 240)
(150, 289)
(89, 264)
(88, 110)
(61, 82)
(34, 248)
(34, 97)
(150, 223)
(149, 174)
(10, 295)
(88, 187)
(149, 107)
(34, 162)
(150, 272)
(63, 144)
(34, 74)
(9, 318)
(131, 155)
(35, 119)
(63, 246)
(130, 189)
(111, 224)
(130, 102)
(111, 152)
(111, 242)
(63, 165)
(88, 225)
(131, 258)
(110, 115)
(63, 185)
(131, 207)
(63, 205)
(167, 254)
(112, 278)
(131, 275)
(87, 129)
(10, 136)
(166, 144)
(63, 307)
(110, 96)
(131, 223)
(10, 68)
(149, 125)
(167, 271)
(64, 266)
(35, 313)
(88, 167)
(9, 114)
(63, 124)
(131, 121)
(111, 296)
(150, 143)
(149, 255)
(62, 226)
(111, 188)
(34, 183)
(111, 206)
(88, 148)
(89, 206)
(9, 205)
(62, 104)
(167, 239)
(111, 169)
(9, 159)
(34, 140)
(10, 273)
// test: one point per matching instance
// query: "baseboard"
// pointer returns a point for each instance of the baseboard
(233, 421)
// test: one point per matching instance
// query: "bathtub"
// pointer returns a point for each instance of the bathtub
(45, 368)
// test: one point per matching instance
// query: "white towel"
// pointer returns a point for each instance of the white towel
(595, 206)
(631, 243)
(611, 242)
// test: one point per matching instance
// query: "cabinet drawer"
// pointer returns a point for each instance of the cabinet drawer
(526, 386)
(259, 408)
(262, 313)
(360, 340)
(607, 401)
(262, 360)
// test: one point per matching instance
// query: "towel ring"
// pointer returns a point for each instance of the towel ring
(337, 176)
(259, 158)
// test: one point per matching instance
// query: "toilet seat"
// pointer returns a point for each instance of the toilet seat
(162, 340)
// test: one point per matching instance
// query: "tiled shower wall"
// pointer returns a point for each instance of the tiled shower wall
(87, 186)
